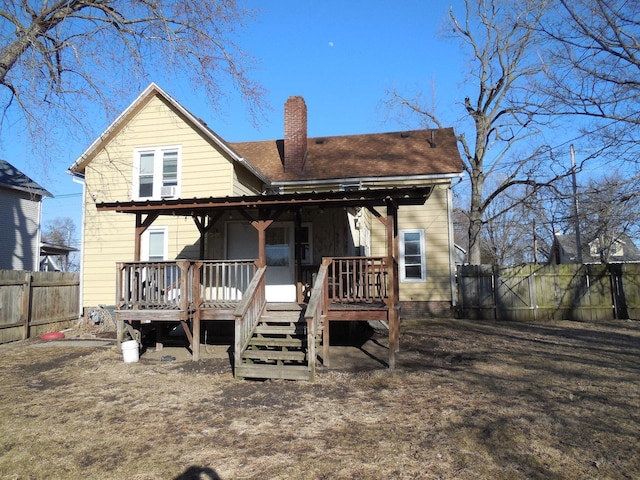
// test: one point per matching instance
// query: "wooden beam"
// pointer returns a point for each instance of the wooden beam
(416, 195)
(204, 224)
(394, 281)
(261, 226)
(141, 226)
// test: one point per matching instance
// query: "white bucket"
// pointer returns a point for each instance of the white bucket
(130, 351)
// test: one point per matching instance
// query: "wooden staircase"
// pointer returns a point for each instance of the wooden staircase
(278, 346)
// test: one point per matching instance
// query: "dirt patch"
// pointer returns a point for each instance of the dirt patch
(468, 400)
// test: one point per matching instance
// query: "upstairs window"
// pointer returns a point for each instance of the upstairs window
(155, 173)
(412, 256)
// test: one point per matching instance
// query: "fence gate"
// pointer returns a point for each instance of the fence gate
(549, 292)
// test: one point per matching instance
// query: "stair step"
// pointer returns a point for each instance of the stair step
(284, 307)
(271, 318)
(276, 342)
(266, 355)
(280, 329)
(286, 372)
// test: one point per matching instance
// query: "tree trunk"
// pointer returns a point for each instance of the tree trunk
(476, 211)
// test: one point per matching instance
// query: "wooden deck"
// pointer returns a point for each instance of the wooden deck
(188, 292)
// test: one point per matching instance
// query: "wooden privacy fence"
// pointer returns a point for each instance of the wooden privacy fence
(33, 303)
(549, 292)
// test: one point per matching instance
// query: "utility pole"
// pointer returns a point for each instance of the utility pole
(575, 206)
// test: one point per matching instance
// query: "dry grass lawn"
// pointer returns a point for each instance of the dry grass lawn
(469, 400)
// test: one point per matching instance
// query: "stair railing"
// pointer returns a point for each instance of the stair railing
(248, 313)
(316, 309)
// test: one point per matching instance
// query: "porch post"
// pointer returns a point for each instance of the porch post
(297, 249)
(261, 226)
(141, 227)
(138, 238)
(204, 224)
(394, 294)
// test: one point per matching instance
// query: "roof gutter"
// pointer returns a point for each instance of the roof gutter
(438, 176)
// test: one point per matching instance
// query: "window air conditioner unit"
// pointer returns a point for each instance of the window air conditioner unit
(168, 192)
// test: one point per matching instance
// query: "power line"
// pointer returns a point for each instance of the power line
(68, 195)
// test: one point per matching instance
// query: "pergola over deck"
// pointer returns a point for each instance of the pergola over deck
(262, 210)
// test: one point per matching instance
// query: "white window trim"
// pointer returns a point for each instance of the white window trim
(144, 248)
(423, 257)
(157, 171)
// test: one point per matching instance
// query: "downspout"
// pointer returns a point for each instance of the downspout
(80, 181)
(452, 262)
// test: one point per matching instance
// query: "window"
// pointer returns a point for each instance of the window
(617, 249)
(412, 256)
(154, 244)
(155, 173)
(277, 246)
(306, 245)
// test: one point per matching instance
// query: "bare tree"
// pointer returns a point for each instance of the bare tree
(597, 52)
(58, 56)
(594, 68)
(502, 39)
(609, 208)
(61, 232)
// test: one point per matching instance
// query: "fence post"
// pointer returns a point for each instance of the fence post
(533, 285)
(25, 312)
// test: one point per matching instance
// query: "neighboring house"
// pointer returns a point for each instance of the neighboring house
(54, 258)
(620, 250)
(20, 215)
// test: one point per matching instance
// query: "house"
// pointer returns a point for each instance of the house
(20, 215)
(619, 250)
(54, 258)
(374, 209)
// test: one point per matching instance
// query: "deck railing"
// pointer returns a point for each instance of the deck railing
(153, 285)
(358, 279)
(248, 313)
(316, 309)
(221, 281)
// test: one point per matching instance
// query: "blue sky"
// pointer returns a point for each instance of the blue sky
(342, 57)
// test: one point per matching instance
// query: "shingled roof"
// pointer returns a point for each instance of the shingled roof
(408, 153)
(11, 177)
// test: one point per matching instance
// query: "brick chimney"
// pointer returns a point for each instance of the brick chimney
(295, 134)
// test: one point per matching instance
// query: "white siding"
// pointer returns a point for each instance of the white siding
(19, 230)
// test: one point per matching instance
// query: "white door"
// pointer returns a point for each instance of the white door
(280, 263)
(242, 243)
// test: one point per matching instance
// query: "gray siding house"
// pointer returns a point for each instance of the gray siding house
(619, 250)
(20, 214)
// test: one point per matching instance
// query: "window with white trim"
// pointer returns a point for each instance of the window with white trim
(413, 265)
(155, 244)
(155, 173)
